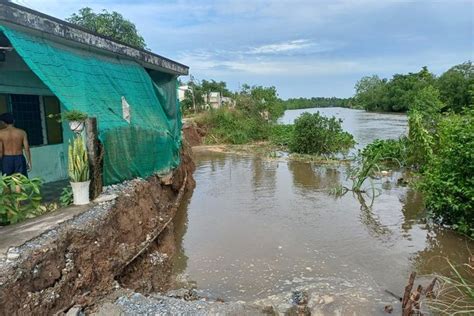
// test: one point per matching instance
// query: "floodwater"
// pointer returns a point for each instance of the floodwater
(255, 227)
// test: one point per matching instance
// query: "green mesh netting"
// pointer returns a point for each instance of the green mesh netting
(95, 84)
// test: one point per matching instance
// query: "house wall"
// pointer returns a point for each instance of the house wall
(17, 78)
(49, 161)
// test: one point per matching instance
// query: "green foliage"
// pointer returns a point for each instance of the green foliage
(448, 182)
(456, 86)
(281, 135)
(402, 89)
(427, 103)
(66, 197)
(232, 126)
(420, 141)
(209, 86)
(258, 100)
(78, 162)
(19, 198)
(74, 115)
(110, 24)
(371, 94)
(194, 96)
(455, 89)
(316, 102)
(387, 150)
(316, 134)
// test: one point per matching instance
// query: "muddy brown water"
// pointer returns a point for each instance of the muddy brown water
(255, 227)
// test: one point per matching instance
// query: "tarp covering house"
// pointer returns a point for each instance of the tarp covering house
(131, 92)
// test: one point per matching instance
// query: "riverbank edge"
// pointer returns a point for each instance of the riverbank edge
(80, 260)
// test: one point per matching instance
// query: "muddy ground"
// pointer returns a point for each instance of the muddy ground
(88, 257)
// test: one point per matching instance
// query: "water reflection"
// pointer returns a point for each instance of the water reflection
(180, 227)
(370, 220)
(413, 210)
(442, 245)
(308, 176)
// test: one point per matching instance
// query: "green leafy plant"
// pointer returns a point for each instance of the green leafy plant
(111, 24)
(281, 135)
(447, 181)
(316, 134)
(19, 198)
(74, 115)
(66, 197)
(387, 151)
(232, 126)
(78, 162)
(420, 141)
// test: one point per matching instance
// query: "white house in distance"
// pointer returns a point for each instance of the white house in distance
(182, 92)
(213, 100)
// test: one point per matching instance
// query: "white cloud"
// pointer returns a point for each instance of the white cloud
(282, 47)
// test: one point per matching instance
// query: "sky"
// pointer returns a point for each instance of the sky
(304, 48)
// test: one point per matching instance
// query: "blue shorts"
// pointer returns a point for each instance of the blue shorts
(14, 164)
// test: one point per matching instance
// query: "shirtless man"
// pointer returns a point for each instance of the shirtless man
(12, 143)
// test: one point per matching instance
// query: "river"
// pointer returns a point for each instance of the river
(255, 227)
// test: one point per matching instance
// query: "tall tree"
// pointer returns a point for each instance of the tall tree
(111, 24)
(456, 86)
(371, 93)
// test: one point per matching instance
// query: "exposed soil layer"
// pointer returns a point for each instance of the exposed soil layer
(193, 133)
(79, 261)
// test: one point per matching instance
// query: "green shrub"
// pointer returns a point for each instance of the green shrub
(19, 198)
(66, 197)
(448, 181)
(420, 141)
(387, 150)
(281, 135)
(316, 134)
(233, 126)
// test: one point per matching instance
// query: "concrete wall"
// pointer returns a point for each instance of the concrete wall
(49, 162)
(17, 78)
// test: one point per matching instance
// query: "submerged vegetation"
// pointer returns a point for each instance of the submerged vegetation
(254, 118)
(319, 135)
(439, 146)
(455, 291)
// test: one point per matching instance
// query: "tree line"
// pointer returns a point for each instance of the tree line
(317, 102)
(454, 89)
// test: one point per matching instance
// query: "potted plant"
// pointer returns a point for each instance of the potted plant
(78, 170)
(76, 120)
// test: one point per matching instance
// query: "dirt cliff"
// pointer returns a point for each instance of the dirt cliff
(83, 259)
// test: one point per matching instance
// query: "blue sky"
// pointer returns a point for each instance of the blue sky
(303, 47)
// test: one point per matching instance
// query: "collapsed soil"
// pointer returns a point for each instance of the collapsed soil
(81, 260)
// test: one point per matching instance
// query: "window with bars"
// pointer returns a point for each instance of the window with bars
(31, 113)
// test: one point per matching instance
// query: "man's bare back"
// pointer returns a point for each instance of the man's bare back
(13, 140)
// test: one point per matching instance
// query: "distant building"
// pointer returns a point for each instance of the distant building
(215, 100)
(229, 102)
(182, 92)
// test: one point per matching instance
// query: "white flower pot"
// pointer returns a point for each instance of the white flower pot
(76, 126)
(80, 192)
